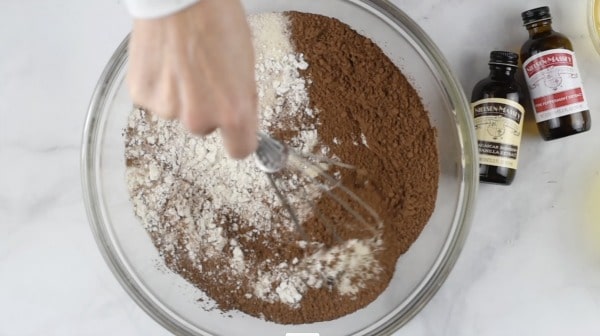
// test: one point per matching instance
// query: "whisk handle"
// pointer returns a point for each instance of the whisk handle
(271, 155)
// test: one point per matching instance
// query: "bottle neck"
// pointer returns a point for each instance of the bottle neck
(502, 72)
(539, 28)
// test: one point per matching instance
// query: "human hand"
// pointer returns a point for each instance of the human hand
(198, 65)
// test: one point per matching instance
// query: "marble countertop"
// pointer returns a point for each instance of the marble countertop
(531, 265)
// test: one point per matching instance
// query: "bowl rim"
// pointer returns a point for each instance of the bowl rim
(428, 286)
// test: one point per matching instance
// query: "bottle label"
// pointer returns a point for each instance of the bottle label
(498, 126)
(554, 84)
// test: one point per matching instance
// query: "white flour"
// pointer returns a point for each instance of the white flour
(191, 197)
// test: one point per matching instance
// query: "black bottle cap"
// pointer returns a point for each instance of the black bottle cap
(536, 15)
(505, 58)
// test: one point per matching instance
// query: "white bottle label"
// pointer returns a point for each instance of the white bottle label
(498, 126)
(554, 84)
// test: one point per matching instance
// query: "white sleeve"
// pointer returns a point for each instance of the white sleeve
(148, 9)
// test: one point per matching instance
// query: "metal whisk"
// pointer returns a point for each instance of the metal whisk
(275, 158)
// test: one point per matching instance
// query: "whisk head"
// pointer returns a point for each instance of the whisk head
(313, 195)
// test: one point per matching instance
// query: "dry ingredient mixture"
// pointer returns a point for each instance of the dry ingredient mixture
(323, 89)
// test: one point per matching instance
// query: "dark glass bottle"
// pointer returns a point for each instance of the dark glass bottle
(499, 115)
(553, 79)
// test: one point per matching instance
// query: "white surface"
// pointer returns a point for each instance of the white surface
(528, 267)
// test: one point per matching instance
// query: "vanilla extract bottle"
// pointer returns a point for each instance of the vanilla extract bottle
(497, 104)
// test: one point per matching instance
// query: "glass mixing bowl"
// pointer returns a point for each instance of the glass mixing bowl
(419, 273)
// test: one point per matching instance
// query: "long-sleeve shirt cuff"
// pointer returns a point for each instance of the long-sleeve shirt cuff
(148, 9)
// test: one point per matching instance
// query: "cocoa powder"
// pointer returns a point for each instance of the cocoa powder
(368, 116)
(361, 94)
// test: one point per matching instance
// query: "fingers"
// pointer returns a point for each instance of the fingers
(199, 110)
(198, 120)
(231, 60)
(161, 103)
(239, 127)
(195, 67)
(206, 107)
(220, 90)
(151, 86)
